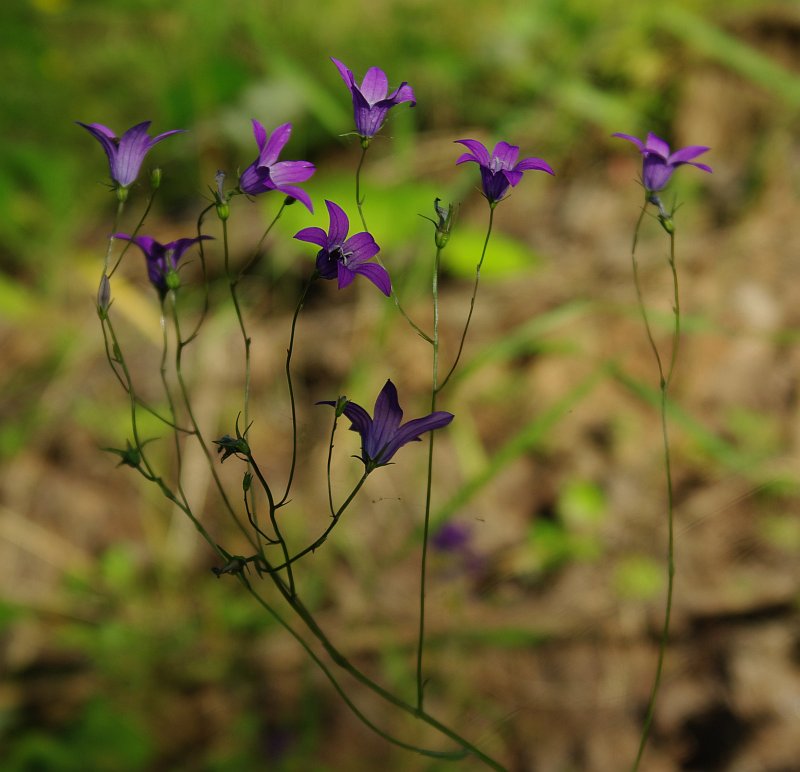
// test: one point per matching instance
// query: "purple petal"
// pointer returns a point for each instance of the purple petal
(313, 235)
(359, 419)
(378, 275)
(346, 73)
(536, 164)
(704, 167)
(506, 154)
(179, 246)
(512, 176)
(260, 133)
(656, 145)
(299, 194)
(412, 430)
(386, 419)
(360, 248)
(166, 134)
(480, 153)
(344, 275)
(290, 171)
(132, 148)
(403, 93)
(375, 85)
(687, 153)
(98, 130)
(339, 226)
(636, 141)
(369, 119)
(145, 243)
(275, 143)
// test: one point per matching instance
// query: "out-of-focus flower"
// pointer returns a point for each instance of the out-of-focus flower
(383, 435)
(501, 170)
(342, 258)
(268, 173)
(125, 153)
(659, 164)
(451, 536)
(162, 259)
(371, 100)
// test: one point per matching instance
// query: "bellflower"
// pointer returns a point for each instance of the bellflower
(383, 435)
(371, 100)
(342, 258)
(268, 173)
(125, 153)
(162, 259)
(502, 170)
(659, 164)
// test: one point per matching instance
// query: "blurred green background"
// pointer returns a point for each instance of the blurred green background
(120, 651)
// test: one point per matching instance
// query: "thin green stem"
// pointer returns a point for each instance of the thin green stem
(359, 197)
(444, 755)
(472, 299)
(317, 543)
(429, 483)
(145, 468)
(179, 346)
(342, 661)
(274, 520)
(664, 383)
(360, 205)
(293, 406)
(328, 466)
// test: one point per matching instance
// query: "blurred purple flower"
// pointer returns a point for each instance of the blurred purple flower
(268, 173)
(162, 259)
(125, 153)
(452, 536)
(502, 170)
(371, 100)
(382, 436)
(659, 163)
(343, 258)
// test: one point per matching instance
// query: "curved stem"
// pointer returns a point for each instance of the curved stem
(274, 521)
(664, 381)
(472, 299)
(293, 406)
(445, 755)
(179, 346)
(372, 685)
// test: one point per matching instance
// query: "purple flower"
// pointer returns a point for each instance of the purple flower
(343, 259)
(162, 259)
(268, 173)
(370, 100)
(382, 436)
(452, 536)
(659, 163)
(125, 153)
(502, 169)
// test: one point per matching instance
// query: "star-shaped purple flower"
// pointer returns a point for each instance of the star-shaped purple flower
(371, 100)
(162, 259)
(125, 153)
(383, 435)
(502, 170)
(659, 164)
(268, 173)
(342, 258)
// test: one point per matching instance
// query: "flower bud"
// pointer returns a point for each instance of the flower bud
(444, 224)
(223, 210)
(172, 280)
(103, 297)
(155, 178)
